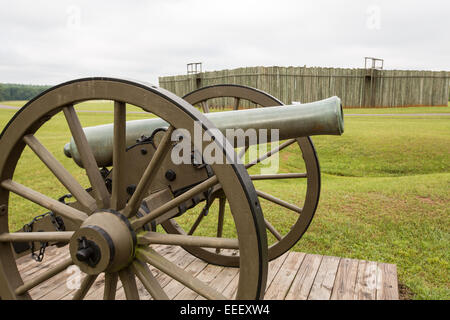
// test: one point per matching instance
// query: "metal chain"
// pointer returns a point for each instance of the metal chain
(208, 204)
(39, 257)
(57, 221)
(29, 228)
(59, 226)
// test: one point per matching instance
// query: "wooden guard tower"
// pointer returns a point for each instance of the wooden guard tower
(195, 69)
(372, 67)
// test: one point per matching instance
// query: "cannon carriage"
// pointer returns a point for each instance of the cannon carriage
(139, 195)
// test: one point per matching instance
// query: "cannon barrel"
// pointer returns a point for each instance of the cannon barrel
(323, 117)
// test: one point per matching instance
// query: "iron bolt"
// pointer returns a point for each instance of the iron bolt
(84, 254)
(3, 209)
(170, 175)
(131, 189)
(88, 252)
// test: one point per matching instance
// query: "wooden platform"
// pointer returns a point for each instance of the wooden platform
(293, 276)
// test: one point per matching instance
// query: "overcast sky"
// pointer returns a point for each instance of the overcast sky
(48, 42)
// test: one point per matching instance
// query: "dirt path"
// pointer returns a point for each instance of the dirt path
(2, 106)
(396, 114)
(347, 115)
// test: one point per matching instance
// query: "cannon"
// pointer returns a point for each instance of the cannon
(140, 195)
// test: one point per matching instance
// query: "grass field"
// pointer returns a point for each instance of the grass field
(385, 192)
(88, 105)
(107, 106)
(399, 110)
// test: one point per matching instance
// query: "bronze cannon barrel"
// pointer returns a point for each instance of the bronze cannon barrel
(323, 117)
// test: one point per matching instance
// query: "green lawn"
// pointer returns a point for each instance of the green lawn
(385, 197)
(13, 103)
(385, 192)
(88, 105)
(107, 106)
(398, 110)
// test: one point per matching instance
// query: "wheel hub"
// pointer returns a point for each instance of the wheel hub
(88, 252)
(104, 242)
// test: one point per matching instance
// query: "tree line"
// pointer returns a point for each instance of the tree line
(20, 91)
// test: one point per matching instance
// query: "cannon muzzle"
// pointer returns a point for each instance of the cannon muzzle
(323, 117)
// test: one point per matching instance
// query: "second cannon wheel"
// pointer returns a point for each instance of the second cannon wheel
(286, 219)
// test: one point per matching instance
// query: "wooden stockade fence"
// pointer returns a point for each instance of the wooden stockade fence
(356, 87)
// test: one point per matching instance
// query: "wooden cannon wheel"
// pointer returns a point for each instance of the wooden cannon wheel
(301, 213)
(108, 237)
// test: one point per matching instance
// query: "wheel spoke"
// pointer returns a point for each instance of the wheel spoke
(205, 106)
(149, 174)
(278, 201)
(220, 219)
(153, 258)
(236, 103)
(243, 151)
(196, 223)
(85, 286)
(129, 284)
(44, 277)
(187, 240)
(61, 173)
(59, 236)
(44, 201)
(272, 230)
(271, 153)
(110, 286)
(138, 223)
(148, 280)
(278, 176)
(87, 157)
(118, 197)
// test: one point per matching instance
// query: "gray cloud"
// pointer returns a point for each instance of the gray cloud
(47, 42)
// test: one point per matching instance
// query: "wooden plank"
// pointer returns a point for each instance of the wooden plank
(174, 287)
(62, 291)
(274, 267)
(282, 281)
(324, 281)
(143, 293)
(222, 280)
(42, 291)
(345, 282)
(294, 275)
(96, 292)
(170, 252)
(128, 279)
(303, 281)
(231, 289)
(39, 268)
(366, 281)
(207, 275)
(181, 258)
(28, 263)
(387, 283)
(120, 294)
